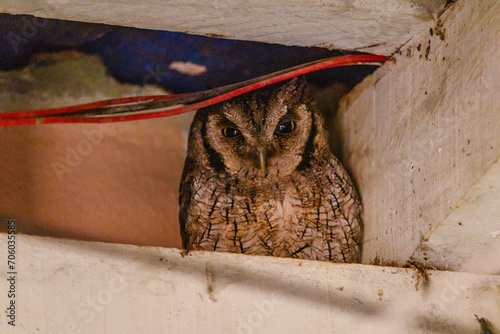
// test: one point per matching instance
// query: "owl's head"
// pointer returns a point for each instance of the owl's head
(273, 130)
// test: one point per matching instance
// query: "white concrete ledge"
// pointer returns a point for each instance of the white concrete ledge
(380, 26)
(65, 286)
(423, 129)
(469, 237)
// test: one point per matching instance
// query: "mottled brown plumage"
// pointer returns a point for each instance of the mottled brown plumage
(259, 178)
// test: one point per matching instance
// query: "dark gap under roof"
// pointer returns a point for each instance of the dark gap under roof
(143, 56)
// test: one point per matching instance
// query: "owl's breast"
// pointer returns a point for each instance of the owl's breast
(299, 216)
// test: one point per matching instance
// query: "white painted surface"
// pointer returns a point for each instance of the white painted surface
(68, 286)
(420, 132)
(376, 26)
(469, 238)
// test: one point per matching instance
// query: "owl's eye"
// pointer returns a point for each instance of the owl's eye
(285, 127)
(231, 132)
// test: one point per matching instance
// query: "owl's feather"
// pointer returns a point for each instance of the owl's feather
(303, 205)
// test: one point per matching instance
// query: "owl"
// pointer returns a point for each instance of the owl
(259, 178)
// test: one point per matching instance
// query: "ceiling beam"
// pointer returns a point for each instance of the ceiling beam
(375, 26)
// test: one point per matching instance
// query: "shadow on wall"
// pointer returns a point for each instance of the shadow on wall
(115, 184)
(111, 182)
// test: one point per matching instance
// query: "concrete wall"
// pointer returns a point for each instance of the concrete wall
(420, 132)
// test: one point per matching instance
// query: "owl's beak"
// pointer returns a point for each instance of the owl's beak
(262, 160)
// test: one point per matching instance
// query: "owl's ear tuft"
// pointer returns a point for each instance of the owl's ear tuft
(294, 90)
(301, 86)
